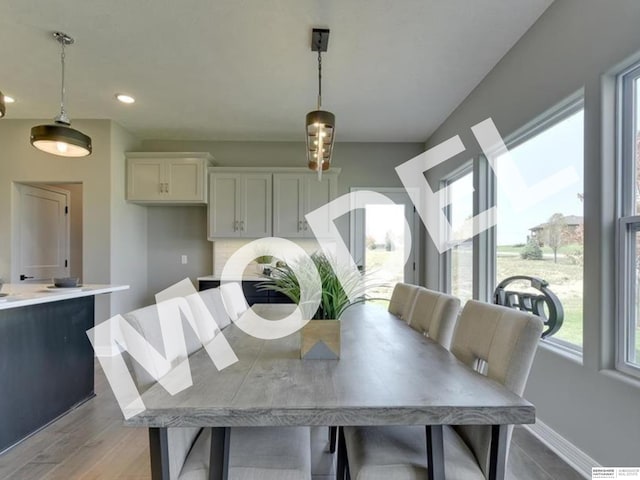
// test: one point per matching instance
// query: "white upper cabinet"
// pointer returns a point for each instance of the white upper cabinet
(167, 178)
(295, 195)
(240, 205)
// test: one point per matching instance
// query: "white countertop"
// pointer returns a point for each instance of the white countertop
(22, 295)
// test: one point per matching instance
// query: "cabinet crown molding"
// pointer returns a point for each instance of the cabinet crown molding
(203, 155)
(299, 170)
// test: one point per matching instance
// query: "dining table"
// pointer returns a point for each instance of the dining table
(387, 374)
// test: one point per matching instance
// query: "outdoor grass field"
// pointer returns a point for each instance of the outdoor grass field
(564, 277)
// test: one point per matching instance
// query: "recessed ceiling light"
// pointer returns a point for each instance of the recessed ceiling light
(124, 98)
(8, 99)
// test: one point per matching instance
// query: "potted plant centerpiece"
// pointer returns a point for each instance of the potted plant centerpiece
(320, 337)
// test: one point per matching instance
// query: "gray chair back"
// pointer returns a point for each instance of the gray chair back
(500, 343)
(402, 299)
(434, 314)
(212, 299)
(233, 299)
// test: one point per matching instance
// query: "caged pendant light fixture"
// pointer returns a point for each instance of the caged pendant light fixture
(320, 123)
(59, 138)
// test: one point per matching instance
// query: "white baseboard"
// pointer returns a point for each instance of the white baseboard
(562, 447)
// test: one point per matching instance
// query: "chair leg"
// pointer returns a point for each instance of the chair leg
(333, 438)
(342, 463)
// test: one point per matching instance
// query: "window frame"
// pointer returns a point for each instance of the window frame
(544, 122)
(445, 259)
(627, 219)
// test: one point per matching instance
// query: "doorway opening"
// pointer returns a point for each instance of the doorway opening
(379, 241)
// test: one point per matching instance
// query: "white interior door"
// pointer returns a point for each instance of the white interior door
(43, 233)
(378, 240)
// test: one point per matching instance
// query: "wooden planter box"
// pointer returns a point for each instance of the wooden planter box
(320, 340)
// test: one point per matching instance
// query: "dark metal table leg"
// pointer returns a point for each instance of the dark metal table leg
(435, 452)
(219, 459)
(159, 453)
(333, 438)
(341, 465)
(498, 455)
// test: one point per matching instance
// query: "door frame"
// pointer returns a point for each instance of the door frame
(16, 249)
(356, 225)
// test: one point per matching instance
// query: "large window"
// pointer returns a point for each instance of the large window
(628, 346)
(540, 228)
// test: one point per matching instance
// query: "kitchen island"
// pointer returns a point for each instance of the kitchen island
(46, 359)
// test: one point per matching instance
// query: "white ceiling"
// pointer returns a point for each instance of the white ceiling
(243, 69)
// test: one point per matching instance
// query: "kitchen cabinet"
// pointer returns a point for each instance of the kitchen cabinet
(239, 204)
(167, 178)
(295, 195)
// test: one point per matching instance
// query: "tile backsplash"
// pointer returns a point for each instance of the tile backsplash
(223, 249)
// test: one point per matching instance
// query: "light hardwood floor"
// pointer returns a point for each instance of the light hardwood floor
(91, 443)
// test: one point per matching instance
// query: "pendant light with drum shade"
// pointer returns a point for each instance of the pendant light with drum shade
(320, 123)
(59, 138)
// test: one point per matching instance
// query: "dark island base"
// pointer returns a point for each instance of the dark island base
(46, 364)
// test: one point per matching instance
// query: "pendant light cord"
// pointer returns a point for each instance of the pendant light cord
(62, 56)
(319, 73)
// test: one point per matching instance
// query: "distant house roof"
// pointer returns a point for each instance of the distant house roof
(571, 220)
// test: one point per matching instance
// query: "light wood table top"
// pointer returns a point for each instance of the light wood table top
(388, 374)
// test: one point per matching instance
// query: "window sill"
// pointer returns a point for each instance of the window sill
(563, 351)
(623, 377)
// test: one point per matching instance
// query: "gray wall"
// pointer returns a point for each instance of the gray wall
(173, 231)
(574, 45)
(128, 254)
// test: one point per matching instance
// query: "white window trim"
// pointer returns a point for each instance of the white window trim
(627, 223)
(445, 259)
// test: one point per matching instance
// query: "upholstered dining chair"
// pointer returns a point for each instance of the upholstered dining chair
(402, 299)
(434, 314)
(400, 305)
(234, 300)
(255, 453)
(496, 341)
(212, 299)
(261, 453)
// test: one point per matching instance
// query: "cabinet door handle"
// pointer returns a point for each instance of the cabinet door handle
(305, 225)
(235, 226)
(299, 225)
(166, 188)
(242, 225)
(161, 187)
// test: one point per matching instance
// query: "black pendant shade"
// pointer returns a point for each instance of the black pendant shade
(60, 139)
